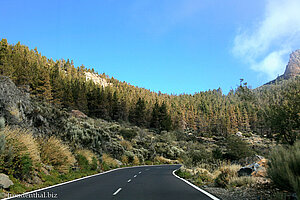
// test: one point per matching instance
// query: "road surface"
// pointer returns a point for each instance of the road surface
(136, 183)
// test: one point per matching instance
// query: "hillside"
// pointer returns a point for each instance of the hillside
(61, 83)
(59, 122)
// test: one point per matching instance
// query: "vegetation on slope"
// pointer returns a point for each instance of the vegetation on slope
(209, 112)
(127, 125)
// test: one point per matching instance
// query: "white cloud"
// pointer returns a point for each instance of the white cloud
(265, 45)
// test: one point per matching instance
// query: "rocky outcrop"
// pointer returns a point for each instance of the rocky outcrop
(5, 182)
(14, 102)
(293, 67)
(96, 79)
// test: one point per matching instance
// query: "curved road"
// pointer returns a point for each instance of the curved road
(135, 183)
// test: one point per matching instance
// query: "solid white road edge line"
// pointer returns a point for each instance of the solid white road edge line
(194, 186)
(52, 186)
(116, 192)
(128, 180)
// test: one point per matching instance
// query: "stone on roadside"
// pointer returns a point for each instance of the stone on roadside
(5, 182)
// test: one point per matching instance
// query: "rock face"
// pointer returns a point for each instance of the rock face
(96, 79)
(14, 103)
(293, 67)
(5, 182)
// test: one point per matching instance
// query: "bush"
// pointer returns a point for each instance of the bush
(25, 166)
(23, 143)
(204, 174)
(284, 168)
(242, 181)
(124, 160)
(199, 155)
(128, 134)
(19, 153)
(108, 162)
(57, 154)
(136, 161)
(83, 163)
(237, 148)
(227, 173)
(89, 155)
(217, 153)
(126, 144)
(184, 174)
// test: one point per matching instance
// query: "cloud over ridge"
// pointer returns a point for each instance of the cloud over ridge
(265, 46)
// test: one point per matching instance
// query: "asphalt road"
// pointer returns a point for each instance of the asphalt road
(136, 183)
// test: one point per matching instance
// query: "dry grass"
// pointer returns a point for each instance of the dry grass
(227, 172)
(202, 171)
(126, 144)
(89, 155)
(124, 160)
(24, 143)
(216, 173)
(163, 160)
(233, 168)
(14, 112)
(136, 160)
(109, 160)
(242, 181)
(57, 154)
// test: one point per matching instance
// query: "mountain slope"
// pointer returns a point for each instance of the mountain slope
(292, 69)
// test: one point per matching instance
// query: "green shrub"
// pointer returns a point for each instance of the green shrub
(25, 166)
(128, 134)
(217, 153)
(148, 162)
(86, 160)
(237, 148)
(94, 164)
(184, 174)
(284, 168)
(83, 163)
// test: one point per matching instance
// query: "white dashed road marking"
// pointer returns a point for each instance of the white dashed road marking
(134, 176)
(128, 180)
(140, 172)
(116, 192)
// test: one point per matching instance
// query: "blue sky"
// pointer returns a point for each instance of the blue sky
(178, 46)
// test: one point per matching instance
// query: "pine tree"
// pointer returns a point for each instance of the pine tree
(164, 118)
(155, 121)
(138, 115)
(245, 121)
(6, 68)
